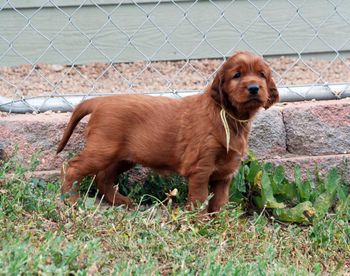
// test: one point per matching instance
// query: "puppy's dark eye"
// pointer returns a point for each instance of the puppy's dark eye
(237, 75)
(262, 74)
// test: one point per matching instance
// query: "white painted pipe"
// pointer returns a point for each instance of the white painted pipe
(314, 92)
(66, 103)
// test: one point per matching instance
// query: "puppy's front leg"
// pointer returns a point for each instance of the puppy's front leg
(220, 188)
(197, 189)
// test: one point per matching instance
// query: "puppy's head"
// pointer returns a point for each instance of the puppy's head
(244, 82)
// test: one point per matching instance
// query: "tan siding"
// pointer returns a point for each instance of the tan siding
(286, 33)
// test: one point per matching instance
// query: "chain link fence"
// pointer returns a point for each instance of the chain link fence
(57, 53)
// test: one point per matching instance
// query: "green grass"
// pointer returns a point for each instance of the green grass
(40, 235)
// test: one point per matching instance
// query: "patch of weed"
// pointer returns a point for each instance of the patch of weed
(40, 235)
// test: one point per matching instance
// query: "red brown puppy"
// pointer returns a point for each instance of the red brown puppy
(187, 136)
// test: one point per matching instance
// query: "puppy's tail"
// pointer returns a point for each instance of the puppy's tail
(79, 112)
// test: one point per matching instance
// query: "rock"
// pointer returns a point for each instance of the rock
(268, 136)
(57, 67)
(316, 134)
(318, 128)
(39, 135)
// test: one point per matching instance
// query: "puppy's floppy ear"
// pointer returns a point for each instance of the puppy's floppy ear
(273, 93)
(216, 87)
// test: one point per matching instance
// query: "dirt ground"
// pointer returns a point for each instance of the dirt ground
(142, 77)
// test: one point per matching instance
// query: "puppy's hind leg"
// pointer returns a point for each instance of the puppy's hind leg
(90, 161)
(105, 182)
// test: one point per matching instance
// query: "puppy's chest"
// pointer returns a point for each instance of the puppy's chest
(238, 146)
(228, 161)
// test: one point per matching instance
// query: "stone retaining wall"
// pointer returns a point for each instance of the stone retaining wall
(312, 134)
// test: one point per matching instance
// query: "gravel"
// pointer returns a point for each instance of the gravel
(143, 77)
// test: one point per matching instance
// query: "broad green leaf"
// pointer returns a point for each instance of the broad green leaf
(246, 170)
(323, 203)
(238, 181)
(342, 193)
(303, 188)
(253, 171)
(309, 186)
(319, 189)
(288, 191)
(257, 180)
(279, 175)
(266, 189)
(332, 180)
(267, 167)
(235, 195)
(343, 207)
(258, 201)
(267, 193)
(277, 179)
(251, 156)
(300, 213)
(306, 191)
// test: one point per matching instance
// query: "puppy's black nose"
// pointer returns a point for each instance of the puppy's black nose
(253, 89)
